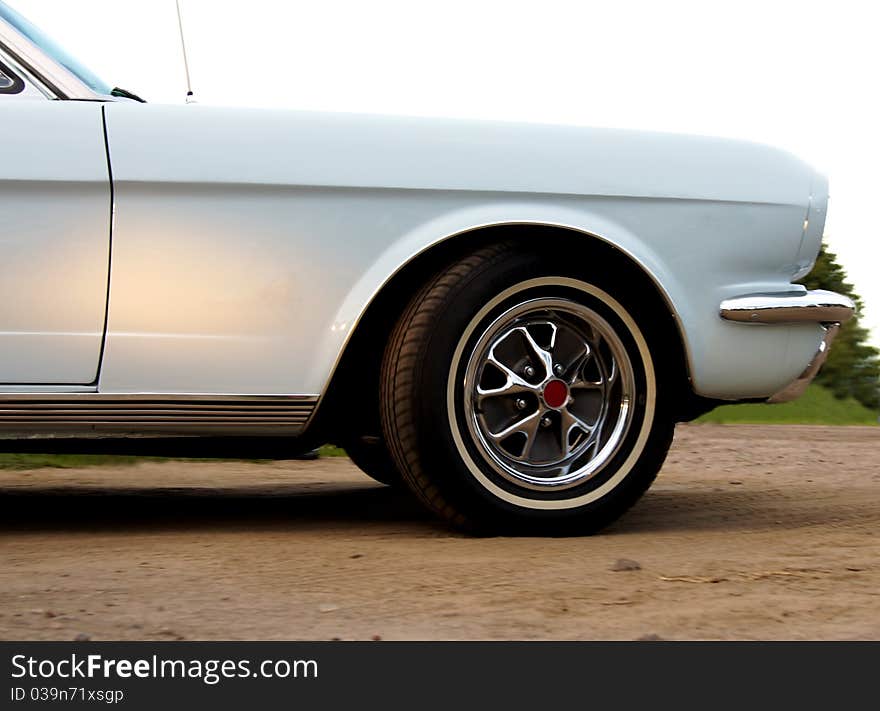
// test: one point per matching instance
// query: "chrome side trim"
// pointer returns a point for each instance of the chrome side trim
(99, 414)
(797, 387)
(22, 389)
(817, 306)
(33, 87)
(63, 83)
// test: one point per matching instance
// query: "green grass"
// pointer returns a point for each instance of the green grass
(817, 406)
(329, 450)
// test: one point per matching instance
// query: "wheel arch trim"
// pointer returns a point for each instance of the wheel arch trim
(427, 236)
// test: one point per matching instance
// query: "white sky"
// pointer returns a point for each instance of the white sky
(800, 75)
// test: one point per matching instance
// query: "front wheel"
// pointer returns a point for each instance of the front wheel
(522, 396)
(371, 456)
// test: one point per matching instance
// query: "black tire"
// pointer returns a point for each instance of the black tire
(371, 456)
(427, 436)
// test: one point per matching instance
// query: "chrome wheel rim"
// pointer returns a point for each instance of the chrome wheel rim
(548, 393)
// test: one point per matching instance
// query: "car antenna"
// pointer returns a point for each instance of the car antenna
(190, 99)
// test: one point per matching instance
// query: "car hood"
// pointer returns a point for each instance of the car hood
(212, 144)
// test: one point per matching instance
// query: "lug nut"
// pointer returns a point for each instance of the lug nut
(520, 404)
(559, 369)
(546, 421)
(529, 371)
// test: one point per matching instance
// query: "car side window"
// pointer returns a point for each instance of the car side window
(10, 83)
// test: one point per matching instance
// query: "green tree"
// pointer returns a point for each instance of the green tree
(853, 367)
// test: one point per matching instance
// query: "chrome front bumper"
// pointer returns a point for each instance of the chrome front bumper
(806, 307)
(821, 307)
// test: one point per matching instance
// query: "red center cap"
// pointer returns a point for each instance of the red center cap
(555, 394)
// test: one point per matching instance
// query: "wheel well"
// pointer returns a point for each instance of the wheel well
(354, 385)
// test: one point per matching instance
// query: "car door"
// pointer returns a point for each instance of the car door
(55, 210)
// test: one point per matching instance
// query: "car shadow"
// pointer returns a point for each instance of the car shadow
(251, 507)
(297, 506)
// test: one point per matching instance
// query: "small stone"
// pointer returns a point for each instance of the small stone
(82, 637)
(356, 555)
(50, 614)
(376, 638)
(624, 564)
(735, 482)
(650, 638)
(328, 608)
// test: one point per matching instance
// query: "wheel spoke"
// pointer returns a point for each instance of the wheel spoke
(569, 422)
(554, 330)
(509, 388)
(531, 433)
(597, 440)
(612, 375)
(527, 426)
(574, 369)
(544, 356)
(581, 384)
(513, 385)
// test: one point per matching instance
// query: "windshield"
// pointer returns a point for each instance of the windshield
(56, 52)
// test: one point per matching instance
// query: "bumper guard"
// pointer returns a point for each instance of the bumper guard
(826, 308)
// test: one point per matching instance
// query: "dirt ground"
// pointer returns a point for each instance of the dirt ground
(749, 533)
